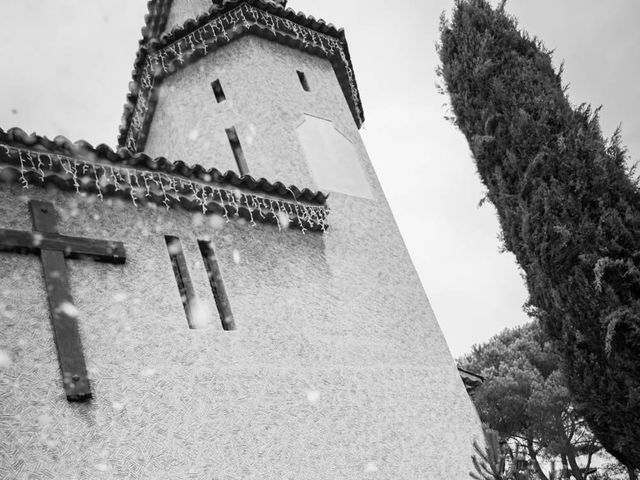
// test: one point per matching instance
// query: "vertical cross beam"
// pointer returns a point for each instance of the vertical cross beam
(63, 313)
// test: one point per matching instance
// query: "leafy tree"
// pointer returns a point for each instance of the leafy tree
(524, 398)
(490, 462)
(614, 471)
(567, 208)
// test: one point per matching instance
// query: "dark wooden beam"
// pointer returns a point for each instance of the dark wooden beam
(66, 333)
(183, 280)
(71, 247)
(64, 319)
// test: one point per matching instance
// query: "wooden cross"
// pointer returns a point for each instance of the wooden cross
(53, 249)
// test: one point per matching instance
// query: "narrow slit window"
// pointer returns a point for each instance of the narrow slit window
(303, 81)
(185, 287)
(217, 285)
(218, 91)
(237, 150)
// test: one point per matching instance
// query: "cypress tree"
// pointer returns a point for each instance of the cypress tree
(567, 207)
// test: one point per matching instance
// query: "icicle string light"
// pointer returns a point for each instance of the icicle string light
(85, 175)
(23, 180)
(215, 34)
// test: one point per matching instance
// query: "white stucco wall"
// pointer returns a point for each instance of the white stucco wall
(338, 368)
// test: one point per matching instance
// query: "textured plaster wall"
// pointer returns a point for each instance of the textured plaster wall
(338, 369)
(183, 10)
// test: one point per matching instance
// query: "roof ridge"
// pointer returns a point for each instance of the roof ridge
(159, 10)
(124, 157)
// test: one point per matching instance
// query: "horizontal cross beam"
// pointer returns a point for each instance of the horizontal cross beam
(71, 247)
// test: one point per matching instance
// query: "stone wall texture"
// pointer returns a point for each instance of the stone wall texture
(338, 368)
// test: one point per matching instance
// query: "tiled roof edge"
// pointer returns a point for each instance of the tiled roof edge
(227, 204)
(224, 6)
(123, 157)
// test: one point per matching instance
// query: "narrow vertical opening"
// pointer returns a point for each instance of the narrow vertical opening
(185, 287)
(232, 135)
(218, 91)
(303, 81)
(217, 285)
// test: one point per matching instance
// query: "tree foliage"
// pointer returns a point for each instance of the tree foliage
(524, 398)
(566, 205)
(490, 462)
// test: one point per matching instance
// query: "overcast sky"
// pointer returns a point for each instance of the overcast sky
(66, 65)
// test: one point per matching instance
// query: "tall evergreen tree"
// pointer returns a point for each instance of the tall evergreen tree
(566, 205)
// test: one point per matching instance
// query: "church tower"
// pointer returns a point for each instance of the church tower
(256, 313)
(249, 87)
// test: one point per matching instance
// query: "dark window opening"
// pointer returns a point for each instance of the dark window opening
(185, 287)
(217, 285)
(237, 150)
(303, 81)
(218, 92)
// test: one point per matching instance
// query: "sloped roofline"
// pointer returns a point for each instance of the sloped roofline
(105, 155)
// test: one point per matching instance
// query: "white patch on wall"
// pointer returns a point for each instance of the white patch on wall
(332, 158)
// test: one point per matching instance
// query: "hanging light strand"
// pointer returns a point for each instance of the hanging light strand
(85, 175)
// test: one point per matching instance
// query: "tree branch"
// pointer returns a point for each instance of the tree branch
(533, 455)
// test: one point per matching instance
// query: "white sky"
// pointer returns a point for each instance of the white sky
(66, 65)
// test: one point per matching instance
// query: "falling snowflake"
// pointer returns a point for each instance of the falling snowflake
(252, 134)
(197, 220)
(174, 248)
(69, 309)
(200, 315)
(313, 396)
(217, 222)
(119, 297)
(370, 467)
(44, 419)
(283, 219)
(5, 359)
(37, 239)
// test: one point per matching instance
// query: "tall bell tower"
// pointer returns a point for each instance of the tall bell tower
(344, 370)
(251, 87)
